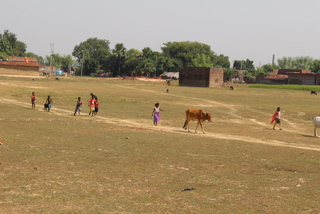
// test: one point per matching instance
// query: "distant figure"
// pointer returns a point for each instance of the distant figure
(168, 82)
(33, 100)
(92, 105)
(167, 90)
(49, 103)
(156, 114)
(316, 123)
(313, 92)
(231, 88)
(57, 78)
(78, 106)
(276, 118)
(97, 105)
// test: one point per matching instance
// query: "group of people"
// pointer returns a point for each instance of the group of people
(94, 104)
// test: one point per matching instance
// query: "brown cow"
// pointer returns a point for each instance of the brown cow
(196, 115)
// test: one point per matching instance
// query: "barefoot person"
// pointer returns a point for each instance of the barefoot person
(156, 114)
(97, 105)
(92, 105)
(33, 100)
(78, 106)
(276, 118)
(49, 103)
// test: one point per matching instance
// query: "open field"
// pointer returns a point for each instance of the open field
(118, 162)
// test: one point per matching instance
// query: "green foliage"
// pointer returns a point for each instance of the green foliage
(94, 52)
(229, 73)
(186, 51)
(202, 60)
(315, 67)
(11, 45)
(301, 62)
(267, 68)
(243, 65)
(120, 53)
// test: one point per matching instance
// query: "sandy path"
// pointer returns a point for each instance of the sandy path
(169, 129)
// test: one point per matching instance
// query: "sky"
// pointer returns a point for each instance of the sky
(239, 29)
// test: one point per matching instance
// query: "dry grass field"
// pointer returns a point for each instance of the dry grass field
(118, 162)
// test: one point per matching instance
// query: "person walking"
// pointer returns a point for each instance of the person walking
(78, 106)
(156, 114)
(276, 119)
(33, 100)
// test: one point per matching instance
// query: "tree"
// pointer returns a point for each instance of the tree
(202, 60)
(93, 53)
(132, 60)
(267, 68)
(120, 52)
(301, 62)
(243, 65)
(315, 66)
(11, 45)
(186, 51)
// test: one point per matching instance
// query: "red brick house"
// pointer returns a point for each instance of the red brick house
(19, 63)
(200, 76)
(292, 76)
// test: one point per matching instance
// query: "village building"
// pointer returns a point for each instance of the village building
(292, 76)
(200, 76)
(25, 65)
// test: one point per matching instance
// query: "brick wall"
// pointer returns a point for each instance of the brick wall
(200, 76)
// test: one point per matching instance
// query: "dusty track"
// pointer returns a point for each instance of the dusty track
(170, 129)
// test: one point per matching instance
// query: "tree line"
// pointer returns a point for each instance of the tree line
(94, 57)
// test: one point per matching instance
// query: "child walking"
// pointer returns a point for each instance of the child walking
(33, 100)
(276, 118)
(78, 106)
(156, 114)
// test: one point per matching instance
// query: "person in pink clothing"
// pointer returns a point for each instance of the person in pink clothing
(33, 100)
(276, 119)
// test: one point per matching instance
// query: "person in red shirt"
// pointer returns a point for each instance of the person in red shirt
(92, 105)
(96, 107)
(33, 100)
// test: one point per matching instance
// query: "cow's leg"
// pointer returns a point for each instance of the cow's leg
(202, 128)
(197, 127)
(315, 131)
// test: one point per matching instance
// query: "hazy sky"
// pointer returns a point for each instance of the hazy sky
(240, 29)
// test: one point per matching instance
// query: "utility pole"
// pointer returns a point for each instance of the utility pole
(52, 51)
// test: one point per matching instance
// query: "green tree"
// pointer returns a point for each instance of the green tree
(243, 65)
(93, 54)
(202, 60)
(267, 68)
(301, 62)
(186, 51)
(11, 45)
(132, 60)
(120, 52)
(315, 66)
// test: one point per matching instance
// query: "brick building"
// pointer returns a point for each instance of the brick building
(27, 64)
(200, 76)
(292, 76)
